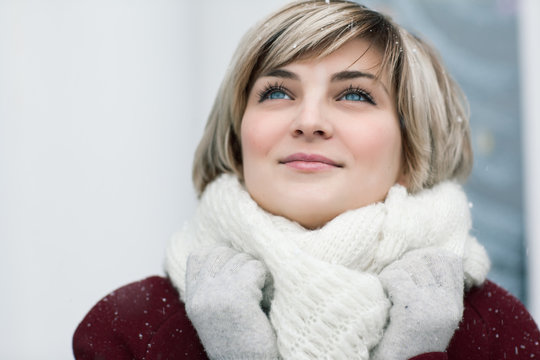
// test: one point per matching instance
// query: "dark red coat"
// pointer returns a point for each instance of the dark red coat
(146, 320)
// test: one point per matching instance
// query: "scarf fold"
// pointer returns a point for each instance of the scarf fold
(327, 300)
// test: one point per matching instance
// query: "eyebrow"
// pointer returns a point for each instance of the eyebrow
(347, 75)
(340, 76)
(280, 73)
(350, 74)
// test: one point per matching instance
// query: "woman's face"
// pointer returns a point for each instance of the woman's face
(320, 137)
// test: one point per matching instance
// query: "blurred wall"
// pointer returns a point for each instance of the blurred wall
(101, 105)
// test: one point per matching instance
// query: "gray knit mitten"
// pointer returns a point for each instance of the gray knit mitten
(223, 296)
(426, 290)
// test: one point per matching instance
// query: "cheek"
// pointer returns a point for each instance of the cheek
(376, 144)
(260, 132)
(257, 142)
(258, 139)
(252, 138)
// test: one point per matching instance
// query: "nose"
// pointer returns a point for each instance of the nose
(312, 123)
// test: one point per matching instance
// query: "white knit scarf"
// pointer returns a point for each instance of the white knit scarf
(328, 301)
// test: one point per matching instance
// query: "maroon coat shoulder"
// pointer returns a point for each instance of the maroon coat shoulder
(143, 320)
(495, 325)
(146, 320)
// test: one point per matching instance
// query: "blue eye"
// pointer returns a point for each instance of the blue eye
(277, 95)
(274, 92)
(356, 94)
(354, 97)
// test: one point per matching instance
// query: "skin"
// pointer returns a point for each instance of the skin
(321, 136)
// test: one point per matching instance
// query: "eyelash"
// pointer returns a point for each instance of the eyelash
(269, 88)
(277, 87)
(359, 91)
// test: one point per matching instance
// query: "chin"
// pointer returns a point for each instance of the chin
(309, 219)
(307, 208)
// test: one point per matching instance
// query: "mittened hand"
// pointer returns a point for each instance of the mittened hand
(426, 290)
(223, 296)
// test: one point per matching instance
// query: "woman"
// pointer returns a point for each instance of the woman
(330, 224)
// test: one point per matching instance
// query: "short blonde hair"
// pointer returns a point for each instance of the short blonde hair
(433, 110)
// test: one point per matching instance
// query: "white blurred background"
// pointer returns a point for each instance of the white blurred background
(102, 103)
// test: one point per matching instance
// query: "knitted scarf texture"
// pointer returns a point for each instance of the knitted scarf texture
(327, 299)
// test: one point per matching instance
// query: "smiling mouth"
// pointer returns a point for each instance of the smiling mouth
(310, 162)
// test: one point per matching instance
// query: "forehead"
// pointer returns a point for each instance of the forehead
(354, 55)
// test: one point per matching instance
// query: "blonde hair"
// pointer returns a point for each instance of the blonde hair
(433, 110)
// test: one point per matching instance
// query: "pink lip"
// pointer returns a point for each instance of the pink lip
(309, 162)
